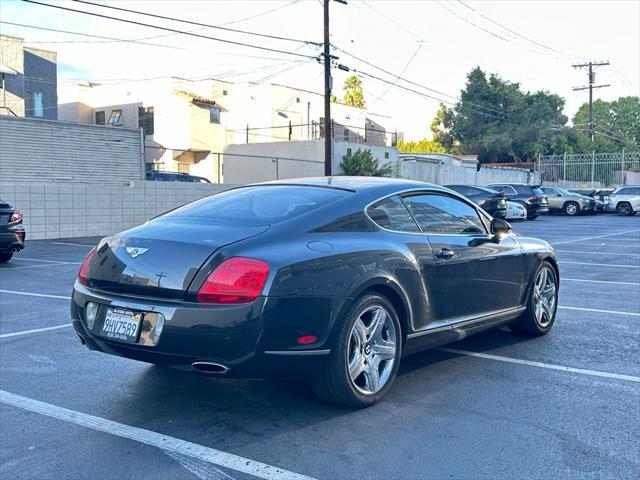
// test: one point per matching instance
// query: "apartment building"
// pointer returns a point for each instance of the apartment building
(28, 79)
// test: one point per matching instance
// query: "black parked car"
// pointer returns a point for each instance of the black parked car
(493, 202)
(174, 177)
(334, 279)
(12, 234)
(531, 196)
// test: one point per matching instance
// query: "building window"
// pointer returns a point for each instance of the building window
(224, 92)
(114, 119)
(214, 115)
(38, 111)
(99, 117)
(297, 99)
(145, 119)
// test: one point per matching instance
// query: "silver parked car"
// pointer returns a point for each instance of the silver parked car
(515, 211)
(625, 200)
(569, 203)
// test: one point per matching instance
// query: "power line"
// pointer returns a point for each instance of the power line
(199, 24)
(389, 19)
(457, 99)
(509, 30)
(399, 75)
(133, 22)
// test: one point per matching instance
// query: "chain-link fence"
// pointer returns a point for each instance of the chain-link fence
(591, 170)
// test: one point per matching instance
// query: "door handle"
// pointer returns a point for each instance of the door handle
(445, 253)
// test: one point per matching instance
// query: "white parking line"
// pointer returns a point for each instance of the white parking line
(600, 253)
(564, 279)
(610, 312)
(31, 294)
(154, 439)
(38, 260)
(563, 262)
(530, 363)
(73, 244)
(598, 236)
(35, 330)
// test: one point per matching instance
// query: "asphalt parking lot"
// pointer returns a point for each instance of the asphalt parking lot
(566, 405)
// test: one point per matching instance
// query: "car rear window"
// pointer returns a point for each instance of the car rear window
(537, 191)
(262, 203)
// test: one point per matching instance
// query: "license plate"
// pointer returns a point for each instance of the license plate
(121, 325)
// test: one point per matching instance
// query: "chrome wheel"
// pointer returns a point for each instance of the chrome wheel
(544, 297)
(571, 209)
(371, 353)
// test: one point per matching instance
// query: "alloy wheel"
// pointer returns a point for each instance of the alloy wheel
(371, 353)
(571, 209)
(544, 297)
(624, 209)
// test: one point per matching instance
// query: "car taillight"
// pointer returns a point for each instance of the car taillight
(533, 198)
(236, 280)
(82, 273)
(15, 217)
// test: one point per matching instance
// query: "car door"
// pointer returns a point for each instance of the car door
(478, 273)
(554, 197)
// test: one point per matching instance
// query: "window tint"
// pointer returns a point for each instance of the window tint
(392, 214)
(261, 203)
(444, 215)
(537, 191)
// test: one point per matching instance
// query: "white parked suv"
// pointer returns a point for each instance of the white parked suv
(625, 200)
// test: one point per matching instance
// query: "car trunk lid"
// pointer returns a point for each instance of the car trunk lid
(161, 257)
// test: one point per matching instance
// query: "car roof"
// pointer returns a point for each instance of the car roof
(359, 184)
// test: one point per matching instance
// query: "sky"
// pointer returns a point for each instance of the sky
(433, 43)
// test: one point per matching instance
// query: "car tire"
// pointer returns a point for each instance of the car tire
(349, 376)
(542, 304)
(624, 209)
(571, 208)
(5, 256)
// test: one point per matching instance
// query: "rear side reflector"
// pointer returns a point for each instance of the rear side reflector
(82, 274)
(307, 339)
(236, 280)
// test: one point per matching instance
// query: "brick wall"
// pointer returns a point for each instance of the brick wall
(85, 210)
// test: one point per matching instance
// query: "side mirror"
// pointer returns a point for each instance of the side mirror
(500, 226)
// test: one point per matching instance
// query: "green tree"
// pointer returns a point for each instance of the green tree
(442, 127)
(616, 125)
(353, 94)
(362, 164)
(421, 146)
(498, 121)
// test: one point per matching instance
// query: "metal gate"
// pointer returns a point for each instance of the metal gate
(590, 170)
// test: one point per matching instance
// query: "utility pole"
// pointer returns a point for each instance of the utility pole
(327, 88)
(327, 93)
(590, 87)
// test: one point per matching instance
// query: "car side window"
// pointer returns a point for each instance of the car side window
(392, 214)
(441, 214)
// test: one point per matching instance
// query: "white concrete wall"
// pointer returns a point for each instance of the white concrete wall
(79, 210)
(445, 169)
(259, 162)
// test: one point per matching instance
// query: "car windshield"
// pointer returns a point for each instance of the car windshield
(565, 192)
(264, 203)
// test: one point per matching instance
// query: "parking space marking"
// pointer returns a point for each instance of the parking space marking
(31, 294)
(598, 236)
(73, 244)
(499, 358)
(39, 266)
(149, 437)
(39, 260)
(564, 279)
(611, 312)
(35, 330)
(563, 262)
(600, 253)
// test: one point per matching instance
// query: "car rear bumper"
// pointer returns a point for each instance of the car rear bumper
(11, 240)
(249, 340)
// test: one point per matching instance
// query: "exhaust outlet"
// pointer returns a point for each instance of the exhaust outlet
(210, 368)
(80, 339)
(15, 249)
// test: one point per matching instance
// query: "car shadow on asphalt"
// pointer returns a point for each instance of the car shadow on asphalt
(252, 406)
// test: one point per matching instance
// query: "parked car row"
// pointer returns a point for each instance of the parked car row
(515, 201)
